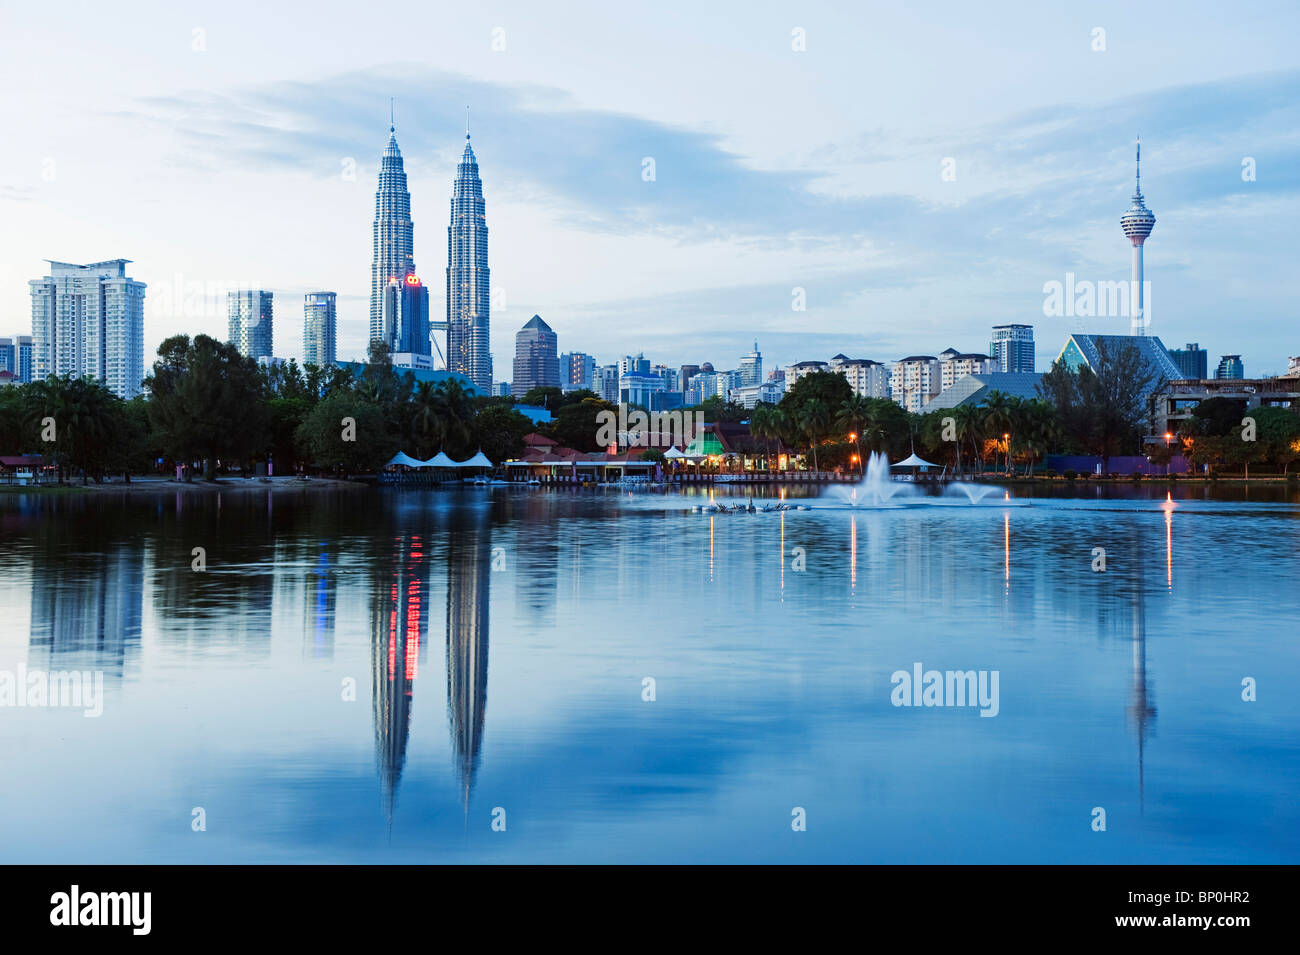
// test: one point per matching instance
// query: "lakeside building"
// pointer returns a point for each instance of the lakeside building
(1174, 403)
(468, 277)
(914, 381)
(1230, 366)
(87, 320)
(975, 389)
(1012, 347)
(955, 365)
(250, 318)
(537, 362)
(1082, 349)
(1192, 361)
(319, 328)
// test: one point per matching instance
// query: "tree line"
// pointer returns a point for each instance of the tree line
(213, 410)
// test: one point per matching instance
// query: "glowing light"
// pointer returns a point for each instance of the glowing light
(1006, 549)
(412, 280)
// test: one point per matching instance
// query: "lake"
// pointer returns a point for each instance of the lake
(533, 675)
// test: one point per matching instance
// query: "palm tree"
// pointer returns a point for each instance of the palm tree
(853, 416)
(970, 425)
(762, 425)
(813, 422)
(998, 414)
(427, 425)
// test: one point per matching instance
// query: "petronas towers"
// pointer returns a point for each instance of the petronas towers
(468, 290)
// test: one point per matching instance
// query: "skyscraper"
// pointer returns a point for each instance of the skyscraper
(250, 320)
(394, 250)
(405, 312)
(751, 368)
(468, 286)
(537, 365)
(319, 328)
(88, 320)
(1012, 348)
(1137, 224)
(1230, 366)
(577, 370)
(1192, 360)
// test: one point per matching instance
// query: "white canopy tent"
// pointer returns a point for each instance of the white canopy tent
(401, 457)
(480, 460)
(914, 462)
(440, 460)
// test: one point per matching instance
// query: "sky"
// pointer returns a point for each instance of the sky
(918, 172)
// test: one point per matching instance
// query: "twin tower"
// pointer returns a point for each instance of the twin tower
(399, 300)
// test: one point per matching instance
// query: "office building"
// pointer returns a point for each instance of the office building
(319, 329)
(1230, 366)
(250, 318)
(1012, 347)
(1192, 361)
(537, 362)
(468, 277)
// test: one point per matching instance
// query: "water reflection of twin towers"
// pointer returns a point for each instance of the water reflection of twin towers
(400, 614)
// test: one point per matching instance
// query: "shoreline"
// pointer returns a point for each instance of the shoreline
(159, 485)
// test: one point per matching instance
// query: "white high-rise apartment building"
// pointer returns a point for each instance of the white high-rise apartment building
(915, 380)
(954, 366)
(88, 320)
(866, 377)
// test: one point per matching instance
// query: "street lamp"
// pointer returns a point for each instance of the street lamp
(853, 436)
(1007, 438)
(1168, 437)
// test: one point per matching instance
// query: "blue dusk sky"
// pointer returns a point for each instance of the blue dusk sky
(237, 144)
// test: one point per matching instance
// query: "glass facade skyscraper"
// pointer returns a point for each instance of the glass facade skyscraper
(1192, 360)
(393, 235)
(319, 328)
(1012, 348)
(468, 278)
(88, 320)
(250, 318)
(537, 364)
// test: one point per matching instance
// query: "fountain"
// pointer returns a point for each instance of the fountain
(974, 492)
(877, 487)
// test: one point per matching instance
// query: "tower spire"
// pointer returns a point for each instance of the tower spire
(392, 116)
(467, 122)
(1138, 188)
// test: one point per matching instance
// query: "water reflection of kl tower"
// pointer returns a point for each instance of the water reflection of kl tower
(469, 564)
(399, 628)
(1141, 707)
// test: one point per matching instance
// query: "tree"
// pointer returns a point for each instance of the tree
(969, 421)
(346, 433)
(544, 396)
(205, 402)
(88, 422)
(852, 416)
(576, 426)
(499, 431)
(814, 422)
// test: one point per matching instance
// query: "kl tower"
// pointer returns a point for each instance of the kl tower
(1137, 224)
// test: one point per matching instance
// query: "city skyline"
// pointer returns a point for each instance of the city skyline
(846, 203)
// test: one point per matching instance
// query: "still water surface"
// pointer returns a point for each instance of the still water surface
(498, 640)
